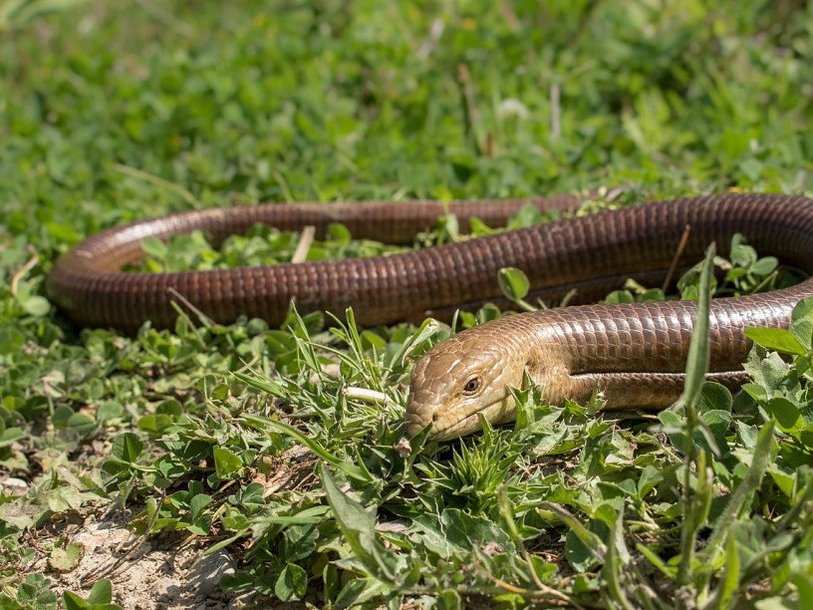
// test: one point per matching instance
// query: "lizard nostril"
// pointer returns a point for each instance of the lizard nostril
(415, 423)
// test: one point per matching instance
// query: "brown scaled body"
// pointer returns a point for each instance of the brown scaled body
(635, 353)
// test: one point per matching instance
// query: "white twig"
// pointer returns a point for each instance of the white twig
(304, 245)
(21, 273)
(555, 112)
(366, 395)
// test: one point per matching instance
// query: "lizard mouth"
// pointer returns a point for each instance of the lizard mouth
(495, 412)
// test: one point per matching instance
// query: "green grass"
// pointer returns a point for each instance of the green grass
(282, 446)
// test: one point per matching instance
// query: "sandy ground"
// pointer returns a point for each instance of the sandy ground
(145, 574)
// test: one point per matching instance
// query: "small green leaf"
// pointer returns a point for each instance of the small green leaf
(354, 593)
(227, 462)
(650, 477)
(339, 233)
(73, 602)
(803, 310)
(9, 436)
(37, 592)
(804, 585)
(63, 232)
(292, 583)
(11, 339)
(578, 554)
(765, 265)
(101, 593)
(478, 228)
(37, 306)
(801, 322)
(714, 397)
(783, 480)
(777, 339)
(66, 559)
(127, 447)
(198, 503)
(64, 498)
(109, 410)
(619, 296)
(82, 423)
(6, 603)
(784, 412)
(154, 247)
(154, 423)
(513, 283)
(449, 227)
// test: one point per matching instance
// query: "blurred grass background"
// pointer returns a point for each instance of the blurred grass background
(259, 101)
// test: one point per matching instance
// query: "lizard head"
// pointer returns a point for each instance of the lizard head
(462, 377)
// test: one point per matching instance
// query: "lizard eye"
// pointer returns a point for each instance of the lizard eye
(472, 385)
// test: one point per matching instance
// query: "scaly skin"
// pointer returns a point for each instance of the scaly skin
(494, 357)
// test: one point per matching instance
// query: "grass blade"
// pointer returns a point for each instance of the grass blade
(697, 365)
(697, 362)
(741, 495)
